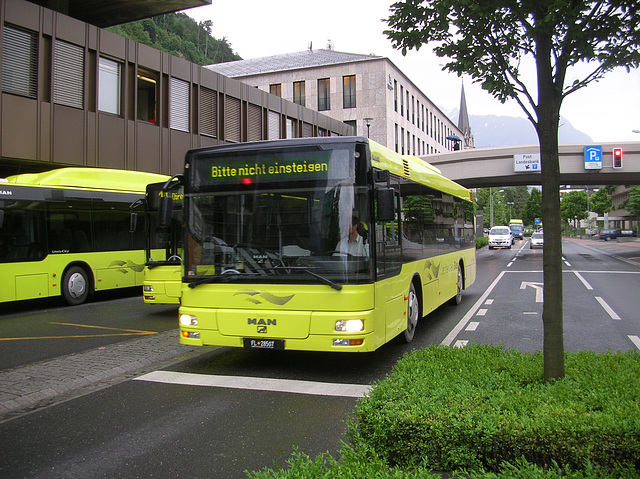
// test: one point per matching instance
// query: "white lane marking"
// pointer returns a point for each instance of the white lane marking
(584, 281)
(607, 308)
(473, 325)
(460, 343)
(534, 313)
(465, 319)
(488, 302)
(537, 286)
(635, 340)
(481, 312)
(258, 384)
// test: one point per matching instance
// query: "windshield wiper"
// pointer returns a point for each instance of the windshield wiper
(324, 280)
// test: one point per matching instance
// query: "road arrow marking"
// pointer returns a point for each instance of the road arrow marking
(460, 343)
(537, 287)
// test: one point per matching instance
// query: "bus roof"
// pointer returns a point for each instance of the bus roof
(89, 179)
(409, 166)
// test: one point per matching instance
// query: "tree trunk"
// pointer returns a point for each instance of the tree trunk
(548, 111)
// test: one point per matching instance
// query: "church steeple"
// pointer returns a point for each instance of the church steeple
(463, 122)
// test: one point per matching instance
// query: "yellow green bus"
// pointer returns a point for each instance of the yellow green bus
(318, 244)
(163, 271)
(66, 232)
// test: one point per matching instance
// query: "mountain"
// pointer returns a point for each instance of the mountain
(494, 131)
(180, 35)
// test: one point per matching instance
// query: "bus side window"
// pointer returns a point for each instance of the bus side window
(388, 251)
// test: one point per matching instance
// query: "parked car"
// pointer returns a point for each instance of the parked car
(500, 237)
(537, 240)
(608, 235)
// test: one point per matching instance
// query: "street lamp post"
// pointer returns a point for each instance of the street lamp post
(510, 203)
(368, 123)
(491, 193)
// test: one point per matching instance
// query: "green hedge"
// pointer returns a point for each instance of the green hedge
(477, 407)
(480, 242)
(487, 412)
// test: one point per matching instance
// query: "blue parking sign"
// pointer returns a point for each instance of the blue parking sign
(593, 157)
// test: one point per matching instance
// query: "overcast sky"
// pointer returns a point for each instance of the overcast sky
(607, 111)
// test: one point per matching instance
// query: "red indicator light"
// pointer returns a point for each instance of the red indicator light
(246, 181)
(617, 157)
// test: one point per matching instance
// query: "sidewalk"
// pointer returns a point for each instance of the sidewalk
(28, 388)
(624, 249)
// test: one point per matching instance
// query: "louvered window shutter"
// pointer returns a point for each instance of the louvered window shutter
(68, 75)
(179, 105)
(19, 62)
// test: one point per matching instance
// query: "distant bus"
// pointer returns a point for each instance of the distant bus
(517, 228)
(319, 244)
(163, 268)
(65, 232)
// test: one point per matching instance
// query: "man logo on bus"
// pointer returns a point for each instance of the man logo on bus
(262, 322)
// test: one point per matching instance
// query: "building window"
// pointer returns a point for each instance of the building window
(324, 102)
(396, 137)
(408, 117)
(233, 119)
(19, 62)
(178, 104)
(353, 124)
(349, 91)
(395, 98)
(401, 101)
(413, 110)
(298, 93)
(147, 94)
(68, 75)
(402, 141)
(208, 112)
(109, 80)
(276, 89)
(273, 125)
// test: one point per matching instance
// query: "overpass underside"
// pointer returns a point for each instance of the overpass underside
(484, 167)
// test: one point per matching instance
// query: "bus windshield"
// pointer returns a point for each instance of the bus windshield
(164, 244)
(283, 216)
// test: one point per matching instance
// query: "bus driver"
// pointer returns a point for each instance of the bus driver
(354, 244)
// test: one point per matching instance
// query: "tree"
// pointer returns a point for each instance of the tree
(600, 202)
(490, 41)
(633, 204)
(533, 208)
(573, 206)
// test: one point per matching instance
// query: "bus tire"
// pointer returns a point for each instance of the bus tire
(413, 314)
(457, 299)
(75, 285)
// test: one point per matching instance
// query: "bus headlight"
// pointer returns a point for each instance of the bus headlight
(350, 325)
(188, 320)
(147, 288)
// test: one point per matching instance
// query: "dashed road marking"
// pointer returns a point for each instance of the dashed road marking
(607, 308)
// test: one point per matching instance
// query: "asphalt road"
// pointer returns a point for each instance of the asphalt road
(217, 412)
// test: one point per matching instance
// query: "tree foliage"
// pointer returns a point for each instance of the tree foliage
(533, 208)
(492, 42)
(600, 201)
(179, 35)
(573, 205)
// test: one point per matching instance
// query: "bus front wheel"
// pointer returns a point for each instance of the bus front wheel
(413, 314)
(75, 285)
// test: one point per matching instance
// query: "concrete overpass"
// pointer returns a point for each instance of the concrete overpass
(484, 167)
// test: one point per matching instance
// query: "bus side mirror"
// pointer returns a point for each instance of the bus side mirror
(166, 207)
(133, 222)
(385, 200)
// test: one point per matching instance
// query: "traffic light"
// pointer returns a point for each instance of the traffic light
(617, 157)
